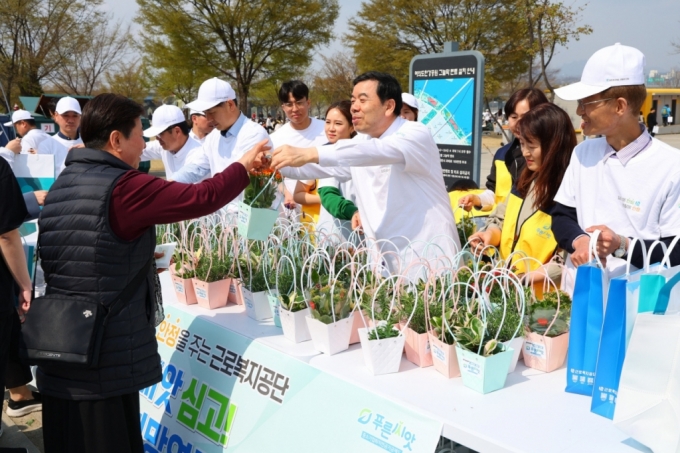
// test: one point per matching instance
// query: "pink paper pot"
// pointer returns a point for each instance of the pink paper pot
(357, 323)
(212, 295)
(444, 357)
(417, 348)
(184, 289)
(545, 353)
(235, 292)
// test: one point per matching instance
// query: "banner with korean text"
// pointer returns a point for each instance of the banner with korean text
(223, 392)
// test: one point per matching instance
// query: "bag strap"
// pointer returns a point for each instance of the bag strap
(665, 295)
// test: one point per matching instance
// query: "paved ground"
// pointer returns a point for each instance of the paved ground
(27, 431)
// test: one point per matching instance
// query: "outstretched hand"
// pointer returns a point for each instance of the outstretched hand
(255, 158)
(290, 156)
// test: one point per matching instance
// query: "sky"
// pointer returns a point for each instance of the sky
(650, 26)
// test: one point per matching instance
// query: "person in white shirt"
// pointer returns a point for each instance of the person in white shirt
(625, 184)
(395, 167)
(35, 141)
(301, 130)
(232, 137)
(67, 116)
(201, 127)
(173, 145)
(25, 127)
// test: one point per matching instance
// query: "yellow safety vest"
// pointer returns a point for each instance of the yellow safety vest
(456, 195)
(534, 237)
(503, 180)
(310, 213)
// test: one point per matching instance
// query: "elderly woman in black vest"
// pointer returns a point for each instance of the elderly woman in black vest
(96, 234)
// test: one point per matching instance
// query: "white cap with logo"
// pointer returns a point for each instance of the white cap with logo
(68, 104)
(211, 93)
(410, 100)
(612, 66)
(196, 112)
(19, 115)
(164, 117)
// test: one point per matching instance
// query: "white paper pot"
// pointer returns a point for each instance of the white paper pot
(516, 344)
(257, 305)
(294, 325)
(330, 338)
(381, 356)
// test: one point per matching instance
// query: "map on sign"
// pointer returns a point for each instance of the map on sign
(446, 108)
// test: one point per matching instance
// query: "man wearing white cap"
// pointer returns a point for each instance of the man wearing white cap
(409, 107)
(172, 135)
(233, 136)
(201, 127)
(67, 116)
(625, 184)
(24, 124)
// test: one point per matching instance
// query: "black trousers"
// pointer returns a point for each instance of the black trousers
(13, 373)
(102, 426)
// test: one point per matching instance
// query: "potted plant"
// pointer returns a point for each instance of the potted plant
(443, 343)
(417, 345)
(293, 310)
(256, 218)
(331, 304)
(211, 282)
(483, 361)
(255, 285)
(547, 331)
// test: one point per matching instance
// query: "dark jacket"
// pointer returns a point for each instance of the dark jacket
(514, 161)
(82, 256)
(651, 120)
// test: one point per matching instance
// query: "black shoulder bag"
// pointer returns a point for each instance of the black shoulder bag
(66, 330)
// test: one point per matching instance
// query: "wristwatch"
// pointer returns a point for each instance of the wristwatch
(621, 251)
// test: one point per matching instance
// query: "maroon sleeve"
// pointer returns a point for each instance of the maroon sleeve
(139, 200)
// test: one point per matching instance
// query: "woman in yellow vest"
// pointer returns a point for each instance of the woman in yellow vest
(522, 222)
(508, 162)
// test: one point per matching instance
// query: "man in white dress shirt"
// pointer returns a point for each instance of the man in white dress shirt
(395, 167)
(67, 116)
(173, 145)
(233, 136)
(301, 130)
(201, 127)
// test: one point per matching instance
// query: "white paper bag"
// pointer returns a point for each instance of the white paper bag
(670, 120)
(655, 130)
(648, 402)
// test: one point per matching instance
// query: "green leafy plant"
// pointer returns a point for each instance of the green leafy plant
(407, 300)
(211, 267)
(293, 301)
(466, 228)
(542, 312)
(328, 298)
(471, 333)
(439, 327)
(383, 331)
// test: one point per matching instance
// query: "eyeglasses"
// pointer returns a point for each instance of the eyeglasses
(583, 104)
(289, 105)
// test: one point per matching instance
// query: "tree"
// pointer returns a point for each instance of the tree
(82, 72)
(388, 33)
(37, 37)
(549, 26)
(333, 81)
(243, 41)
(128, 80)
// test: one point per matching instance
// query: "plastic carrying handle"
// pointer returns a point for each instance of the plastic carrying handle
(665, 295)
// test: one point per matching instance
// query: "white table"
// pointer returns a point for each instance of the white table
(532, 414)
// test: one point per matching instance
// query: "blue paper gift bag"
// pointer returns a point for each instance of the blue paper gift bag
(587, 312)
(612, 350)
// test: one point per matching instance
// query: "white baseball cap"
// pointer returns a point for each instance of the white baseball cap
(410, 100)
(211, 93)
(196, 112)
(612, 66)
(68, 104)
(164, 117)
(19, 115)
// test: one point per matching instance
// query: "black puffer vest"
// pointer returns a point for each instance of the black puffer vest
(82, 256)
